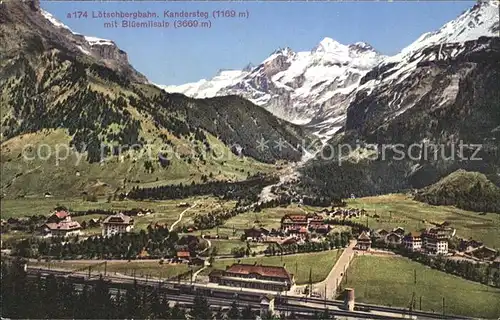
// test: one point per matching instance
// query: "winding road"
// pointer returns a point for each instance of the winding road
(181, 215)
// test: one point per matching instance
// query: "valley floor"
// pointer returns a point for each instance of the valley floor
(376, 279)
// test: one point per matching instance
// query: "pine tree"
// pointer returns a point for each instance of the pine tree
(100, 299)
(177, 313)
(247, 313)
(200, 310)
(234, 312)
(132, 301)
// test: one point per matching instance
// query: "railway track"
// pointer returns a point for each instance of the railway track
(223, 297)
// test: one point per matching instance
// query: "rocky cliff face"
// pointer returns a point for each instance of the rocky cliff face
(45, 32)
(108, 52)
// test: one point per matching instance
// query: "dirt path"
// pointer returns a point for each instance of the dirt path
(193, 278)
(182, 215)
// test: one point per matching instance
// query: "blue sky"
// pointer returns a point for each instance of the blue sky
(176, 56)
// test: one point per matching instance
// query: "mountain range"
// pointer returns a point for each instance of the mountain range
(300, 87)
(316, 87)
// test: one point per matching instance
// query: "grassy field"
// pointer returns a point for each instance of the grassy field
(390, 281)
(399, 210)
(267, 218)
(319, 263)
(143, 268)
(166, 212)
(393, 210)
(224, 247)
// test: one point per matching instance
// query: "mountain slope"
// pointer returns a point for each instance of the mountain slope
(440, 92)
(63, 90)
(466, 190)
(296, 86)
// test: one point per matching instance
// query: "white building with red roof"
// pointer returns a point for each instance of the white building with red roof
(60, 224)
(254, 276)
(118, 223)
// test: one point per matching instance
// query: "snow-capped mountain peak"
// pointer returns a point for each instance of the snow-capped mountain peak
(317, 86)
(361, 47)
(393, 78)
(293, 85)
(92, 41)
(53, 20)
(286, 51)
(478, 21)
(329, 45)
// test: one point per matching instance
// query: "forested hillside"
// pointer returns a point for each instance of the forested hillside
(120, 130)
(466, 190)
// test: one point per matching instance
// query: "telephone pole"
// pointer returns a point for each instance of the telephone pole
(443, 306)
(325, 296)
(310, 282)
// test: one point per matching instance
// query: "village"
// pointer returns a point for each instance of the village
(316, 230)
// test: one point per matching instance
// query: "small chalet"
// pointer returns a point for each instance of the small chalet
(381, 233)
(393, 239)
(59, 216)
(94, 222)
(469, 245)
(364, 241)
(484, 253)
(255, 234)
(118, 223)
(399, 230)
(183, 256)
